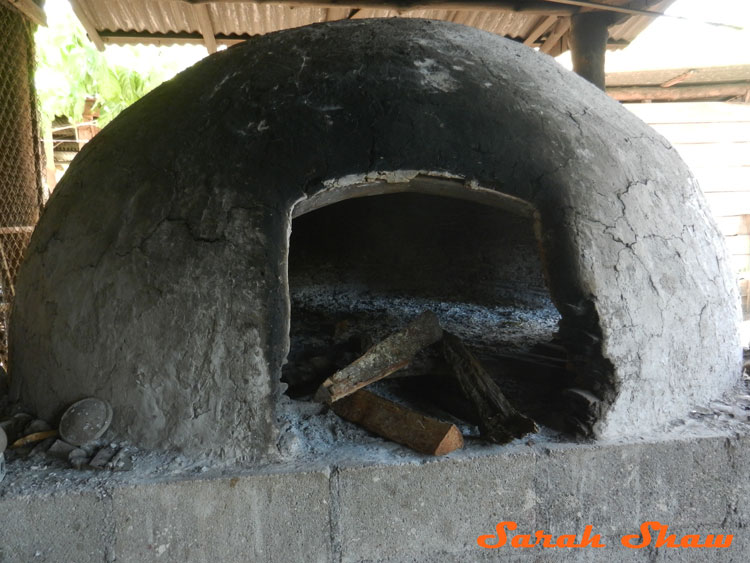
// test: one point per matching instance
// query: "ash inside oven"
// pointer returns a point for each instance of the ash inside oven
(361, 269)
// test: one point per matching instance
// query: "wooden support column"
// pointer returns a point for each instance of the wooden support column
(589, 32)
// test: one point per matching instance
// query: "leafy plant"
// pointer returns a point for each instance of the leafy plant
(70, 69)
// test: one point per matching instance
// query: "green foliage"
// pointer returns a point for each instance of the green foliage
(70, 69)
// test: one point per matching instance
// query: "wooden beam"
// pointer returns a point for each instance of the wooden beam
(702, 75)
(170, 38)
(602, 7)
(559, 7)
(31, 10)
(563, 25)
(677, 79)
(537, 32)
(599, 6)
(679, 93)
(538, 6)
(191, 38)
(206, 27)
(159, 39)
(534, 6)
(400, 424)
(87, 24)
(612, 44)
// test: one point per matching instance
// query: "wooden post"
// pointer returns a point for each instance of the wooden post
(588, 44)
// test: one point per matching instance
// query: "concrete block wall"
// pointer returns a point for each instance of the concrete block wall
(410, 512)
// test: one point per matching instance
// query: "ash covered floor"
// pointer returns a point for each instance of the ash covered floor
(332, 325)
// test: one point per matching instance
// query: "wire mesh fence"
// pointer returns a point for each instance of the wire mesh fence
(20, 155)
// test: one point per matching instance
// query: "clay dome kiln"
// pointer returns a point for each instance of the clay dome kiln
(159, 276)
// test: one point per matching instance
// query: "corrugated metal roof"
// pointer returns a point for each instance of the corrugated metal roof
(165, 21)
(629, 29)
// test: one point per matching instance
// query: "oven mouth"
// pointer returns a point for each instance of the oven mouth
(367, 257)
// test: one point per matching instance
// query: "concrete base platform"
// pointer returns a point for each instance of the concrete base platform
(429, 511)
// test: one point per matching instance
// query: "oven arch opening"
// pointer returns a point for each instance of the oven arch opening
(367, 257)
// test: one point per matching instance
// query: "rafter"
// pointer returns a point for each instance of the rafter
(206, 27)
(31, 10)
(563, 25)
(537, 32)
(87, 24)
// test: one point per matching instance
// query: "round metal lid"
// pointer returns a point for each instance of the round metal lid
(85, 421)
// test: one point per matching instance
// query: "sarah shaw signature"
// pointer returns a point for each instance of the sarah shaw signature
(589, 539)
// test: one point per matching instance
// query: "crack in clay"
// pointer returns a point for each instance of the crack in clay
(573, 117)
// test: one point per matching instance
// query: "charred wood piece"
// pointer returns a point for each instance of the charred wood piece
(499, 421)
(529, 367)
(384, 358)
(398, 423)
(584, 409)
(550, 349)
(429, 361)
(442, 391)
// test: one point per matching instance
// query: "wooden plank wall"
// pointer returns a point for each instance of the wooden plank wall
(714, 140)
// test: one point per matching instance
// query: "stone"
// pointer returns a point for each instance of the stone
(121, 461)
(78, 458)
(3, 440)
(42, 447)
(85, 421)
(14, 425)
(102, 457)
(60, 449)
(36, 426)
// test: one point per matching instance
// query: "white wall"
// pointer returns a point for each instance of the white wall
(714, 140)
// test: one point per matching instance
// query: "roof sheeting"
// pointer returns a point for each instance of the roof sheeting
(175, 21)
(629, 29)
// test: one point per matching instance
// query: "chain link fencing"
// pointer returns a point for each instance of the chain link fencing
(20, 155)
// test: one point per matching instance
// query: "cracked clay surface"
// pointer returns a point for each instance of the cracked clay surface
(156, 278)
